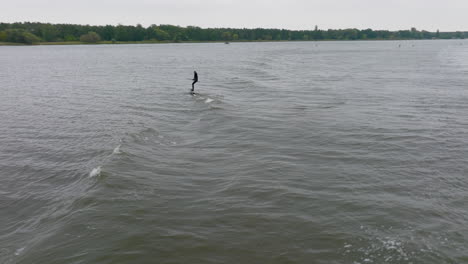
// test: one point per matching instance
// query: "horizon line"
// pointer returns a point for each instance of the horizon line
(186, 26)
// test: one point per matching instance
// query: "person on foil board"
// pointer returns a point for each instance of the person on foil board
(195, 80)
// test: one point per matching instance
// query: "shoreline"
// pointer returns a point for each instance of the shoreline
(64, 43)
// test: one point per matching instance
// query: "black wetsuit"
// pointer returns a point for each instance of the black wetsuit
(195, 79)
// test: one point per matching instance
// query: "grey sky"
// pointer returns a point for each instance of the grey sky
(446, 15)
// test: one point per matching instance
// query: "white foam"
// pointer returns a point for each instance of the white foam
(391, 244)
(208, 100)
(117, 150)
(390, 249)
(95, 172)
(18, 251)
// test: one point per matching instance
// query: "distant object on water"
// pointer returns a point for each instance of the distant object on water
(226, 42)
(195, 80)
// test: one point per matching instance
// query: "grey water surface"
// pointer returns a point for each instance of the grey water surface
(296, 152)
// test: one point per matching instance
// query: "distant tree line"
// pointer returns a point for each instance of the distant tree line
(33, 32)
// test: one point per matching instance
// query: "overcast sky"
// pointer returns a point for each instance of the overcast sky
(446, 15)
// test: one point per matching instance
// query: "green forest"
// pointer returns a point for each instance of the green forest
(37, 33)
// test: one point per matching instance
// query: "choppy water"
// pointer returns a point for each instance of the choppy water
(304, 152)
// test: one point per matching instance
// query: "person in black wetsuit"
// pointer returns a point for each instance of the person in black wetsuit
(195, 80)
